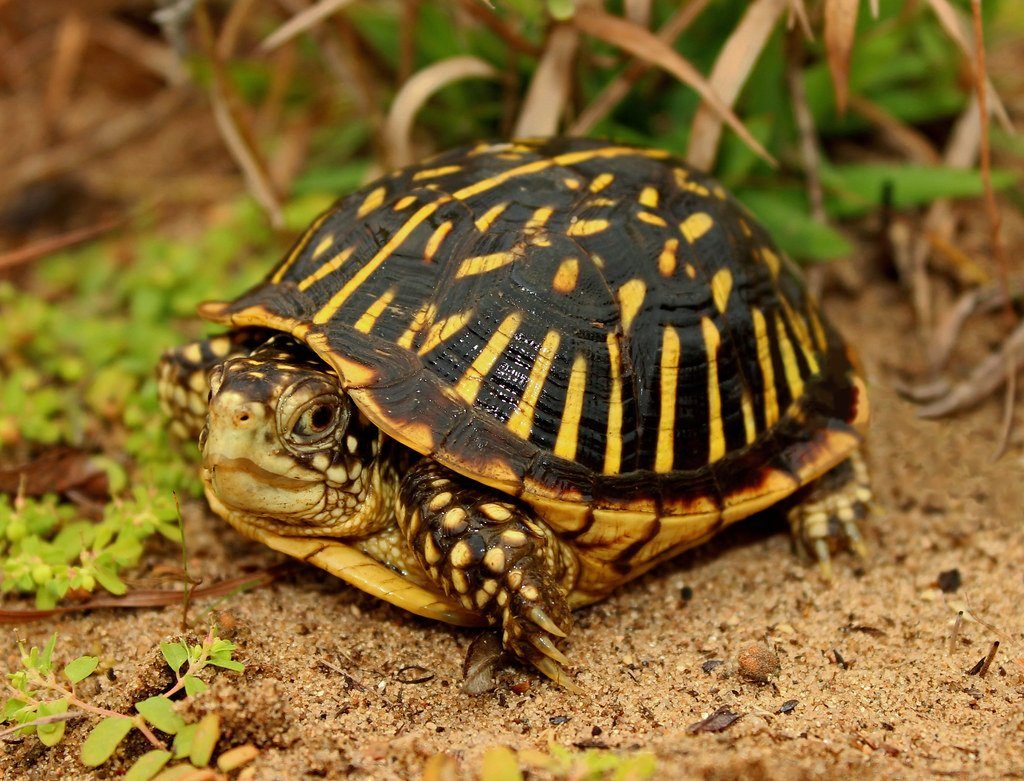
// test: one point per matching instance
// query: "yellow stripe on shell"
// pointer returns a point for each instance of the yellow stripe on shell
(613, 446)
(569, 158)
(539, 218)
(803, 336)
(667, 258)
(651, 219)
(696, 225)
(764, 360)
(568, 432)
(631, 298)
(819, 331)
(405, 202)
(325, 244)
(433, 173)
(366, 322)
(664, 455)
(789, 364)
(587, 227)
(443, 330)
(721, 286)
(521, 421)
(470, 383)
(600, 182)
(771, 260)
(486, 220)
(716, 435)
(372, 201)
(749, 421)
(300, 245)
(329, 267)
(566, 276)
(434, 242)
(481, 264)
(419, 320)
(385, 252)
(649, 197)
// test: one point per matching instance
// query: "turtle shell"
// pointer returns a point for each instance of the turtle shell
(596, 328)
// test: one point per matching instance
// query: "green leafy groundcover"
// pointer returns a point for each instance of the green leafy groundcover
(42, 700)
(77, 355)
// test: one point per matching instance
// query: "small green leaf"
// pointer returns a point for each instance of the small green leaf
(159, 711)
(500, 764)
(148, 765)
(12, 706)
(81, 668)
(104, 739)
(228, 664)
(183, 741)
(194, 686)
(109, 580)
(43, 661)
(205, 739)
(176, 654)
(50, 734)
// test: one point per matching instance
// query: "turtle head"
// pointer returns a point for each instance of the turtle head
(284, 448)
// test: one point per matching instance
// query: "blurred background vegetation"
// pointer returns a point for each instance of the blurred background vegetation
(158, 155)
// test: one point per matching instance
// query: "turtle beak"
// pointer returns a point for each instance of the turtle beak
(244, 465)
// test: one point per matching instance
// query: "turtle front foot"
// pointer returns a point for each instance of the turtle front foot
(827, 518)
(485, 550)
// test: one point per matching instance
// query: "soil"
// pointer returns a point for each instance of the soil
(878, 690)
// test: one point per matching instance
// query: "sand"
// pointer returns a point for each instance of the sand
(878, 692)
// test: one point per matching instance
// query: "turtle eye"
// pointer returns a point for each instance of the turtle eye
(316, 421)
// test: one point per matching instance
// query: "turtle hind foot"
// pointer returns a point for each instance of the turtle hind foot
(534, 617)
(827, 518)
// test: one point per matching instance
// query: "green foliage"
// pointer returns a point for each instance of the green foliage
(81, 373)
(38, 695)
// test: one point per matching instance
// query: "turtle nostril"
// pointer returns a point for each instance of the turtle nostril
(243, 418)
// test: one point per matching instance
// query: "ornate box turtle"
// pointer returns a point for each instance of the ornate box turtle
(494, 386)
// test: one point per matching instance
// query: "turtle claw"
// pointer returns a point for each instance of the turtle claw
(826, 519)
(545, 622)
(549, 649)
(557, 673)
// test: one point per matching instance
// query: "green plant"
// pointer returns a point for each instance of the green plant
(42, 700)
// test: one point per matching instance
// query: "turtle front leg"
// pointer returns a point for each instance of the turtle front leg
(485, 550)
(183, 378)
(827, 516)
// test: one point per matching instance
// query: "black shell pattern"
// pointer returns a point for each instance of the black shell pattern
(570, 318)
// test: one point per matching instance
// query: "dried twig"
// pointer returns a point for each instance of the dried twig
(301, 22)
(496, 25)
(72, 36)
(995, 219)
(548, 93)
(143, 598)
(53, 244)
(415, 92)
(613, 93)
(733, 66)
(805, 124)
(233, 128)
(644, 44)
(840, 30)
(985, 378)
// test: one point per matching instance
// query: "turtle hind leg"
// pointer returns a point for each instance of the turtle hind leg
(486, 551)
(183, 378)
(828, 515)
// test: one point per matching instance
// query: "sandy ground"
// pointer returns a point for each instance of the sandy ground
(322, 696)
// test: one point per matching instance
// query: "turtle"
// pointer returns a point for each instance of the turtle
(491, 387)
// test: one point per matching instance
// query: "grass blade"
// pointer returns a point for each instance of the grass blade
(736, 60)
(646, 45)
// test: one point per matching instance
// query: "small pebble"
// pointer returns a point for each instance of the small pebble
(758, 662)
